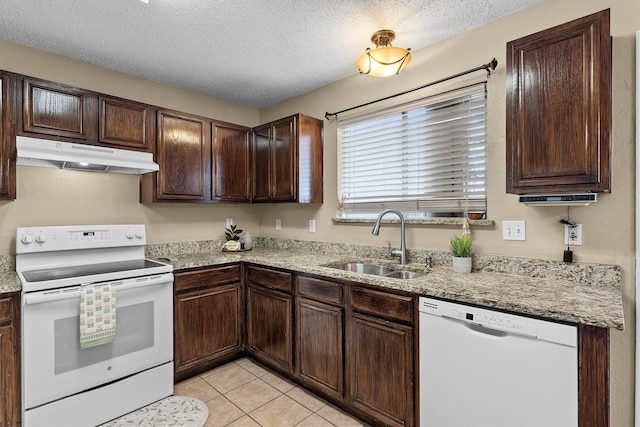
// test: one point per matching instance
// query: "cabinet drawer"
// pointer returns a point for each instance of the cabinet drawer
(384, 304)
(321, 290)
(6, 311)
(270, 278)
(204, 278)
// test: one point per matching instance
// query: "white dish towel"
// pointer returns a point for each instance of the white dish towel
(97, 315)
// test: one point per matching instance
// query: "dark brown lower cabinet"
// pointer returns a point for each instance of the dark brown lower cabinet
(380, 355)
(269, 327)
(9, 360)
(270, 317)
(208, 318)
(319, 346)
(320, 336)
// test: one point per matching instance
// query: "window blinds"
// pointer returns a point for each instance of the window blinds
(426, 158)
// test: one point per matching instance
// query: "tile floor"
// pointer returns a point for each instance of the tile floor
(244, 394)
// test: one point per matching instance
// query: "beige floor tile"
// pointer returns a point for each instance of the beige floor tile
(225, 380)
(278, 382)
(280, 412)
(222, 412)
(315, 421)
(245, 421)
(197, 388)
(252, 395)
(306, 399)
(338, 417)
(187, 381)
(253, 367)
(217, 369)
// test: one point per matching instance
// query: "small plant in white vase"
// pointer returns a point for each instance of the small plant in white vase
(232, 234)
(461, 251)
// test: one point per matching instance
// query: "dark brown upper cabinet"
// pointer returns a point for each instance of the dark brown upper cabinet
(287, 160)
(231, 157)
(559, 108)
(183, 153)
(55, 109)
(7, 137)
(127, 124)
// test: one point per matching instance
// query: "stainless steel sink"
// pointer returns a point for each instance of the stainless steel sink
(376, 270)
(361, 267)
(404, 274)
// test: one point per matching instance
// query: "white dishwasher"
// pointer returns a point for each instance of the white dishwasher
(483, 368)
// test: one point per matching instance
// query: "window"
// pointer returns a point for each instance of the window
(426, 159)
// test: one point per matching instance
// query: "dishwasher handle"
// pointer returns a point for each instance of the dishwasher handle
(492, 324)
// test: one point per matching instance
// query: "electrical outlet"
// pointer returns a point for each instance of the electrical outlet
(278, 224)
(513, 230)
(312, 225)
(229, 222)
(573, 235)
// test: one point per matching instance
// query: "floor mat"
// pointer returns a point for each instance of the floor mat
(171, 411)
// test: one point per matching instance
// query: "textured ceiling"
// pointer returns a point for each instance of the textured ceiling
(253, 53)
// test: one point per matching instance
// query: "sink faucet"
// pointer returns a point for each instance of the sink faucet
(402, 253)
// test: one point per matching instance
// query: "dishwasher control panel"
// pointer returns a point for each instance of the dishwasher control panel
(480, 317)
(498, 321)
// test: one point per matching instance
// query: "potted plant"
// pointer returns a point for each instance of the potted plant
(461, 251)
(232, 234)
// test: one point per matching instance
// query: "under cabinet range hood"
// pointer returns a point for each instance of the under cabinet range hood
(66, 155)
(582, 199)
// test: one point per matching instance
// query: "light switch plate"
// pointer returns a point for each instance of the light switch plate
(513, 230)
(312, 225)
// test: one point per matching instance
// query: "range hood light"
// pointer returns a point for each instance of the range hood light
(66, 155)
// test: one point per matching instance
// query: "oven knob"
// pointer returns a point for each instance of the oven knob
(129, 234)
(139, 234)
(26, 239)
(41, 238)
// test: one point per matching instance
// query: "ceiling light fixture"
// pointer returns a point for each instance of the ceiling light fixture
(385, 60)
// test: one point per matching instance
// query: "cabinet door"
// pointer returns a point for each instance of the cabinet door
(285, 170)
(319, 346)
(183, 155)
(380, 355)
(55, 109)
(207, 325)
(559, 108)
(310, 162)
(269, 327)
(7, 138)
(231, 159)
(261, 164)
(127, 124)
(9, 362)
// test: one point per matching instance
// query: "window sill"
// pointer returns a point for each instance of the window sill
(434, 221)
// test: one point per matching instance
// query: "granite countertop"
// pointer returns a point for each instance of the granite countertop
(561, 300)
(9, 282)
(598, 303)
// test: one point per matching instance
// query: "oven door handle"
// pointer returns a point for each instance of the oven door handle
(50, 296)
(74, 292)
(141, 282)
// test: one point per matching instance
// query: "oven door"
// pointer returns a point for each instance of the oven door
(54, 366)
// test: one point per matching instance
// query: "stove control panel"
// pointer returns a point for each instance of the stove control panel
(61, 238)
